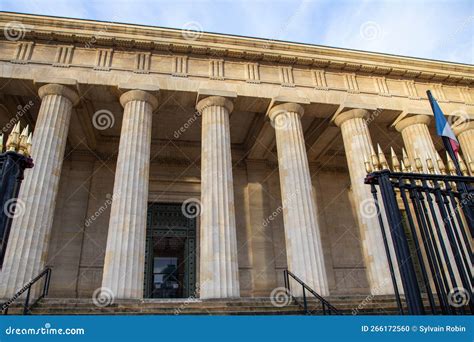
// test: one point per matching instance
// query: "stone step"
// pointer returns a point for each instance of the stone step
(243, 301)
(347, 307)
(162, 307)
(236, 301)
(363, 305)
(197, 311)
(251, 310)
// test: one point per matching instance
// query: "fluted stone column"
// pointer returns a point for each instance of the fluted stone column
(358, 148)
(465, 135)
(219, 277)
(419, 144)
(417, 139)
(303, 240)
(31, 229)
(125, 253)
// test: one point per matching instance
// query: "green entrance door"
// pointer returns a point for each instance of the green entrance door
(170, 256)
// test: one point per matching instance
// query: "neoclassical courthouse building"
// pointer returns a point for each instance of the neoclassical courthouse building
(169, 160)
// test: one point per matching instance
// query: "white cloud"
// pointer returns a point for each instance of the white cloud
(413, 29)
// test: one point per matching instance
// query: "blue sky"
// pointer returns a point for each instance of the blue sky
(442, 30)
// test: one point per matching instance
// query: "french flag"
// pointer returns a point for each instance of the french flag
(444, 130)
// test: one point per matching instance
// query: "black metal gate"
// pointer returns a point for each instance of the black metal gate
(12, 166)
(438, 211)
(167, 221)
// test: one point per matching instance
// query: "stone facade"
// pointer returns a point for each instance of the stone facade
(271, 137)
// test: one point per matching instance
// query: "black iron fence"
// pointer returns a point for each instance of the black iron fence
(436, 213)
(12, 167)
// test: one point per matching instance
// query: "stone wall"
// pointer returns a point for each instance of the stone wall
(81, 222)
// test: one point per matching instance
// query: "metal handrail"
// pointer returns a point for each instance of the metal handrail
(27, 287)
(326, 306)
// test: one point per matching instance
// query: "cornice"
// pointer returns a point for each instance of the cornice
(70, 31)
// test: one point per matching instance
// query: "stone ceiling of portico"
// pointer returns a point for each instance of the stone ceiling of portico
(323, 139)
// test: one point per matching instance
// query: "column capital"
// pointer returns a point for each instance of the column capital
(58, 89)
(350, 114)
(138, 95)
(463, 127)
(285, 108)
(412, 120)
(215, 101)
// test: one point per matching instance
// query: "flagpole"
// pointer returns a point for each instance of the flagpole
(451, 153)
(464, 189)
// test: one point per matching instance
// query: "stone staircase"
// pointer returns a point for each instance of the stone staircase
(348, 305)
